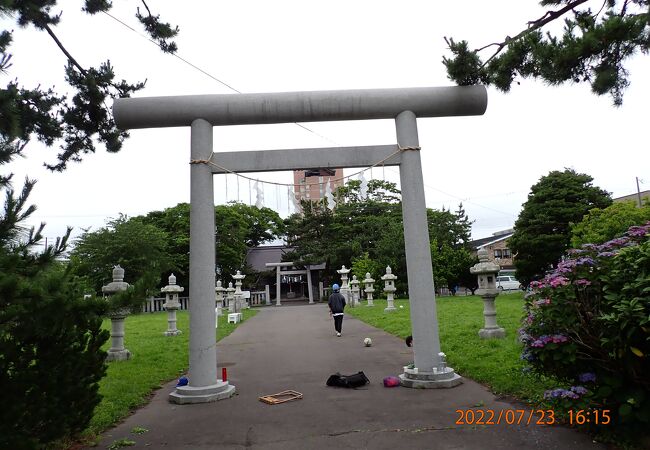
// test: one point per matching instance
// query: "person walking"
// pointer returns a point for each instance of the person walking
(336, 302)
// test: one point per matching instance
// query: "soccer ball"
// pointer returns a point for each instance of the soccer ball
(367, 342)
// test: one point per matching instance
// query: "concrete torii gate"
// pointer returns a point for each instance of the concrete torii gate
(203, 112)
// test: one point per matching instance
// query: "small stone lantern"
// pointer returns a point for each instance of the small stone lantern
(369, 288)
(345, 287)
(487, 288)
(172, 304)
(355, 291)
(389, 288)
(240, 303)
(230, 297)
(117, 352)
(220, 293)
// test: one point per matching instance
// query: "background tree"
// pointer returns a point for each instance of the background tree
(361, 265)
(367, 230)
(597, 39)
(601, 225)
(449, 235)
(542, 230)
(239, 228)
(138, 247)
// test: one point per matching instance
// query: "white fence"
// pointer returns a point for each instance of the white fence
(155, 304)
(258, 298)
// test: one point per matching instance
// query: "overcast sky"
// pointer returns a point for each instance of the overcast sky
(488, 162)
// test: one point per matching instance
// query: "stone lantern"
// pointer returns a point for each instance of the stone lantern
(240, 303)
(220, 293)
(345, 287)
(230, 297)
(487, 288)
(172, 304)
(369, 288)
(389, 288)
(117, 352)
(355, 291)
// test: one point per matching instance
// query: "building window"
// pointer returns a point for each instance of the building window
(497, 253)
(507, 253)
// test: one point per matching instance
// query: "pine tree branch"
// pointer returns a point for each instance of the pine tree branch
(624, 8)
(601, 8)
(146, 6)
(532, 26)
(64, 50)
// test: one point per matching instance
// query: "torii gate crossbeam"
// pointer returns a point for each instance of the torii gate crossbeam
(204, 112)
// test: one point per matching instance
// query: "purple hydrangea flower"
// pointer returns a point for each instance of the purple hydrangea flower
(582, 282)
(558, 281)
(614, 244)
(580, 390)
(587, 377)
(545, 339)
(639, 231)
(560, 393)
(585, 261)
(542, 302)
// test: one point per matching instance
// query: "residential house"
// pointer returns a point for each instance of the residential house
(498, 250)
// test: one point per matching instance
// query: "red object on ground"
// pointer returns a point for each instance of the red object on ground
(391, 382)
(224, 374)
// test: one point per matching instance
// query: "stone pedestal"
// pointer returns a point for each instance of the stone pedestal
(240, 302)
(414, 378)
(172, 304)
(491, 329)
(230, 297)
(219, 294)
(389, 289)
(487, 272)
(185, 395)
(171, 323)
(345, 287)
(369, 282)
(354, 290)
(117, 352)
(439, 377)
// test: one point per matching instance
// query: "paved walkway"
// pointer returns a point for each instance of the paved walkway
(295, 347)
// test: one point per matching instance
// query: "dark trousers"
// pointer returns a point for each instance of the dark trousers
(338, 323)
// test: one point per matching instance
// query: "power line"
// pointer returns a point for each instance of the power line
(194, 66)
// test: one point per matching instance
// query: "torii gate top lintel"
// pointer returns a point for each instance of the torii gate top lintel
(310, 106)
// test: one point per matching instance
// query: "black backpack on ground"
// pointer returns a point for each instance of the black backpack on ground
(348, 381)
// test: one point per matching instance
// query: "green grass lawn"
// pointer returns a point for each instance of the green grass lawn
(156, 359)
(495, 363)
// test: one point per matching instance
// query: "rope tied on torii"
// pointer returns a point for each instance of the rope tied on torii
(399, 150)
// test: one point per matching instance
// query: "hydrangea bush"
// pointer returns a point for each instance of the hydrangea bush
(587, 324)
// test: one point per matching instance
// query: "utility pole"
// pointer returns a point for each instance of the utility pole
(638, 192)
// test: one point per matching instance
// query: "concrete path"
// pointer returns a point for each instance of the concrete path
(295, 347)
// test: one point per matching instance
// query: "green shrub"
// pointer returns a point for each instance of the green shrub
(588, 324)
(50, 352)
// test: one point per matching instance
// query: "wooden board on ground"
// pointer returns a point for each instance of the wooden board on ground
(281, 397)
